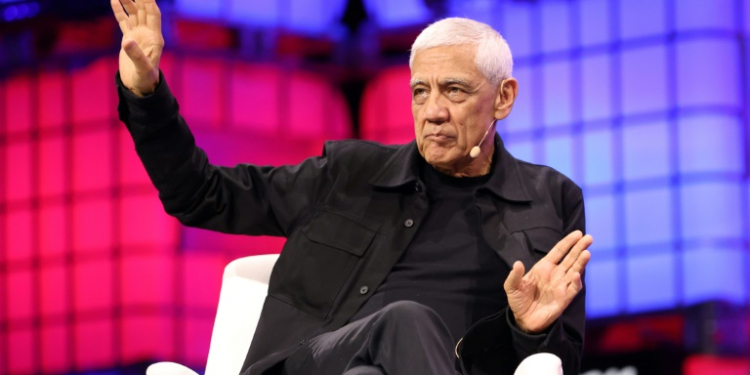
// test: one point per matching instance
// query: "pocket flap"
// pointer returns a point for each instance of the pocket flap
(543, 239)
(339, 232)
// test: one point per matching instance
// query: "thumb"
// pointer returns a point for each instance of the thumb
(136, 55)
(513, 282)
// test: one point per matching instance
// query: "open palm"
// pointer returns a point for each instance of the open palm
(142, 43)
(539, 297)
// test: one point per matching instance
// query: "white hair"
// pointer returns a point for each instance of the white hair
(493, 57)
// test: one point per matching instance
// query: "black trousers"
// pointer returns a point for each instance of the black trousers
(403, 338)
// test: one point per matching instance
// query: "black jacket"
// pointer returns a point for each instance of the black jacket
(348, 215)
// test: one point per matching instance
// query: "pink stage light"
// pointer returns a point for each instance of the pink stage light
(97, 275)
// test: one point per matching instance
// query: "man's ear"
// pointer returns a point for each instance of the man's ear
(507, 91)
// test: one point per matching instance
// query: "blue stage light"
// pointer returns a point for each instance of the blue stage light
(17, 10)
(10, 13)
(398, 13)
(312, 17)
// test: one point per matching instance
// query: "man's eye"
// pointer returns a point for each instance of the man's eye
(419, 92)
(455, 90)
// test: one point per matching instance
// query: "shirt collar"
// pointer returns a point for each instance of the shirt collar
(506, 181)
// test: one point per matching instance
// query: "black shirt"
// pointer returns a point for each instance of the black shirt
(448, 267)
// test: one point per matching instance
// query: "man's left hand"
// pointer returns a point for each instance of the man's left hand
(539, 297)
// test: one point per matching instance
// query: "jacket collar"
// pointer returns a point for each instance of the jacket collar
(506, 181)
(401, 168)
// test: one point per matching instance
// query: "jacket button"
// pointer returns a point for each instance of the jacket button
(363, 290)
(417, 188)
(409, 223)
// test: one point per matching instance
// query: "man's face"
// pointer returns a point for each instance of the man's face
(452, 104)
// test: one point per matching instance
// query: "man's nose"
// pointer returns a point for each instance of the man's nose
(436, 110)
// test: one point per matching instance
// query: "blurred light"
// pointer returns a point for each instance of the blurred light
(23, 10)
(302, 16)
(398, 13)
(297, 108)
(20, 11)
(10, 13)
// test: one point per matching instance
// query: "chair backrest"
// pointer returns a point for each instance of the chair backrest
(243, 291)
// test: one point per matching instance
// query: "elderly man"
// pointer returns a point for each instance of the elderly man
(403, 259)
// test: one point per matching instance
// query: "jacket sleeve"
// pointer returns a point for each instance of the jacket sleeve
(495, 345)
(563, 338)
(244, 199)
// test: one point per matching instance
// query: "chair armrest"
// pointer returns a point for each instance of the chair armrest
(169, 368)
(540, 364)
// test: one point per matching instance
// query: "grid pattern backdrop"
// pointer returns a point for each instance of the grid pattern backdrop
(644, 109)
(642, 103)
(93, 273)
(310, 17)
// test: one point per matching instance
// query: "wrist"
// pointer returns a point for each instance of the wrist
(137, 93)
(143, 91)
(527, 328)
(145, 86)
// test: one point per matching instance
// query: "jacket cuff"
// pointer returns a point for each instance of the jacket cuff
(526, 342)
(151, 111)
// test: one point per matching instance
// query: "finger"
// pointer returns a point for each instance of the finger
(120, 15)
(141, 12)
(576, 251)
(134, 52)
(513, 282)
(129, 6)
(574, 287)
(153, 15)
(563, 246)
(581, 262)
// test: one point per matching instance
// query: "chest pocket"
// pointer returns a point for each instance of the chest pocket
(541, 240)
(339, 232)
(325, 253)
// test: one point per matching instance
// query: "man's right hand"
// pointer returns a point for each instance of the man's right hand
(142, 44)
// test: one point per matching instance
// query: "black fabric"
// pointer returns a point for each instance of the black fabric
(448, 266)
(402, 338)
(348, 216)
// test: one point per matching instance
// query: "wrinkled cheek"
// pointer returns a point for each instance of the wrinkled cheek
(418, 127)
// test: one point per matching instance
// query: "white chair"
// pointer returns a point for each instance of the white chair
(243, 290)
(540, 364)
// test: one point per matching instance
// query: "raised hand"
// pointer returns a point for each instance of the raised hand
(539, 297)
(142, 43)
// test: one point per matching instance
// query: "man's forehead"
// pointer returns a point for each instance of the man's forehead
(445, 64)
(467, 50)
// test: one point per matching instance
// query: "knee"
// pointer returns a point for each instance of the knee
(408, 308)
(408, 313)
(365, 370)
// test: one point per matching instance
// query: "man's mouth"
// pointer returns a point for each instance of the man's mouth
(438, 136)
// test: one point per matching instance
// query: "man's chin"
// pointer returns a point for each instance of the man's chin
(440, 159)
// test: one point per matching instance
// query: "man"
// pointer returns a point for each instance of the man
(397, 256)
